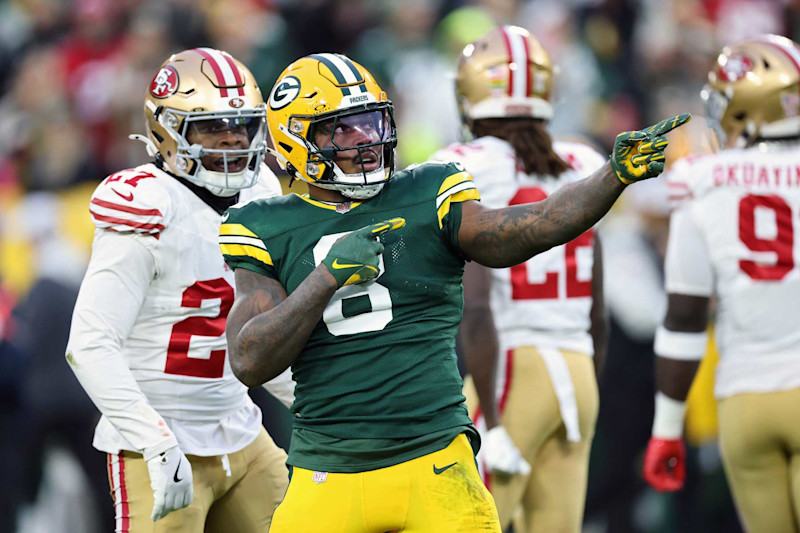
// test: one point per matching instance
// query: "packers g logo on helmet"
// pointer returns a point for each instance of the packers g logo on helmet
(284, 92)
(317, 100)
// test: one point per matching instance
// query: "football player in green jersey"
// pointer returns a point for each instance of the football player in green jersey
(357, 287)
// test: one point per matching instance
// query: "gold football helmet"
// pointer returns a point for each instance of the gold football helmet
(507, 73)
(325, 109)
(753, 90)
(203, 90)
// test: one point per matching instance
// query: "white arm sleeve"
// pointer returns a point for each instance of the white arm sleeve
(687, 267)
(282, 387)
(111, 295)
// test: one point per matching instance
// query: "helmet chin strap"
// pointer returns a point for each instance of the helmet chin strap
(361, 192)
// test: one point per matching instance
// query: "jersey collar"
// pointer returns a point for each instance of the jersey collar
(339, 207)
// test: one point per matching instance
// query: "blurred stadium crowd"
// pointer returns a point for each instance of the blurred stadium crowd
(74, 77)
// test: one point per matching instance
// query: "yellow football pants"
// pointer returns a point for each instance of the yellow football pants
(438, 492)
(237, 494)
(760, 442)
(553, 496)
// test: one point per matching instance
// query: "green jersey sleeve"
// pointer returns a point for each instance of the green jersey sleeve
(456, 188)
(241, 247)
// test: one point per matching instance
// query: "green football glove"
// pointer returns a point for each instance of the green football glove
(354, 258)
(639, 155)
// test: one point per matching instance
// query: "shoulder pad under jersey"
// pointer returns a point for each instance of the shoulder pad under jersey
(688, 178)
(131, 201)
(449, 182)
(479, 155)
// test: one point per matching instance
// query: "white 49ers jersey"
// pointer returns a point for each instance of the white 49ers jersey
(545, 301)
(734, 234)
(156, 296)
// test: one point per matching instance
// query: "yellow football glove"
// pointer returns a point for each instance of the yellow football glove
(354, 258)
(639, 155)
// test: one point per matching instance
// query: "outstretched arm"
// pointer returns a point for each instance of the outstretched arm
(505, 237)
(508, 236)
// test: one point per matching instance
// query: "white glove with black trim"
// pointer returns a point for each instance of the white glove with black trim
(501, 455)
(171, 481)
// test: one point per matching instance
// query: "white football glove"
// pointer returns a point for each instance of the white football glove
(501, 455)
(171, 481)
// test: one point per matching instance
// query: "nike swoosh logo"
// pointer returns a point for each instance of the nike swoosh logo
(438, 471)
(129, 197)
(175, 478)
(337, 265)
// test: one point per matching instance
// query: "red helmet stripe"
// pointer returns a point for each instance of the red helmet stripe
(224, 69)
(789, 51)
(236, 74)
(215, 67)
(507, 40)
(519, 83)
(527, 64)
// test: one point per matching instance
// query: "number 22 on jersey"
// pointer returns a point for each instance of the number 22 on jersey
(523, 289)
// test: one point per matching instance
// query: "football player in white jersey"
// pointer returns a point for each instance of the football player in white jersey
(529, 331)
(733, 236)
(147, 339)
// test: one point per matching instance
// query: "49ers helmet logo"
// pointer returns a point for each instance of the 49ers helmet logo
(284, 93)
(735, 68)
(165, 83)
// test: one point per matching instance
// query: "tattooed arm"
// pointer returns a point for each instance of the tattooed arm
(508, 236)
(505, 237)
(267, 329)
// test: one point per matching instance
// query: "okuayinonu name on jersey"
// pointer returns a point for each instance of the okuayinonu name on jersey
(377, 381)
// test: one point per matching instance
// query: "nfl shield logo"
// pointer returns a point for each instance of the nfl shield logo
(319, 477)
(343, 207)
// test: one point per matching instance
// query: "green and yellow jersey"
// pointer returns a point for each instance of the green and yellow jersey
(377, 381)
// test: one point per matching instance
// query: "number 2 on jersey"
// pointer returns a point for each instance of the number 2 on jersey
(780, 246)
(522, 289)
(178, 360)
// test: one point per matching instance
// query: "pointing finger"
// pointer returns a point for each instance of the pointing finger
(384, 227)
(669, 124)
